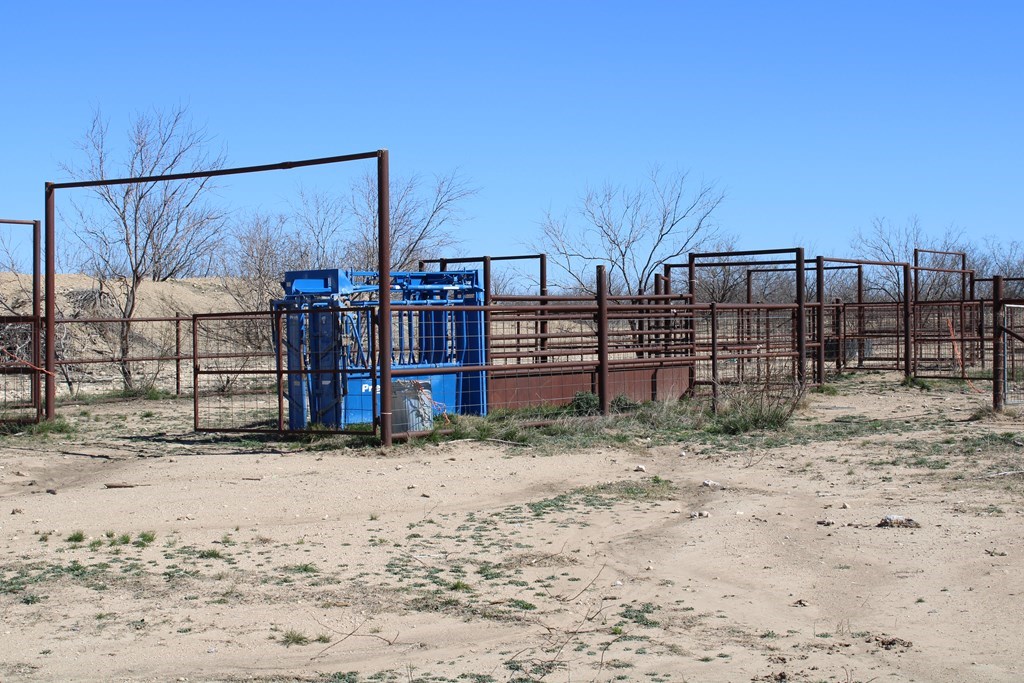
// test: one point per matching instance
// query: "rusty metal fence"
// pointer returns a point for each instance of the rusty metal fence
(98, 357)
(540, 354)
(1013, 340)
(20, 370)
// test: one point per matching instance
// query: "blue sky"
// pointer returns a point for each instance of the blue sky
(814, 117)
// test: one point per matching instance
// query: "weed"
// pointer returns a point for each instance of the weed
(374, 516)
(826, 389)
(522, 604)
(144, 539)
(460, 585)
(293, 637)
(915, 383)
(585, 403)
(31, 599)
(641, 615)
(210, 554)
(147, 414)
(305, 568)
(748, 410)
(323, 638)
(75, 537)
(95, 544)
(56, 426)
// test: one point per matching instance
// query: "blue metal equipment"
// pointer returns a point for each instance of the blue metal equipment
(329, 330)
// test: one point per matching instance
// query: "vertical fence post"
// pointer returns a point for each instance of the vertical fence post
(839, 329)
(51, 307)
(37, 326)
(998, 349)
(177, 353)
(819, 285)
(487, 310)
(908, 321)
(384, 293)
(543, 327)
(195, 373)
(279, 361)
(714, 357)
(860, 316)
(603, 389)
(801, 319)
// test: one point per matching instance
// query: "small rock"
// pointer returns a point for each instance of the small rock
(398, 467)
(618, 582)
(649, 568)
(694, 515)
(898, 522)
(639, 468)
(703, 513)
(19, 473)
(844, 506)
(411, 486)
(707, 483)
(800, 603)
(682, 454)
(17, 511)
(424, 495)
(52, 492)
(825, 522)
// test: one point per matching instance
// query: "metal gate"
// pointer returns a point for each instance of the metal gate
(1013, 343)
(20, 371)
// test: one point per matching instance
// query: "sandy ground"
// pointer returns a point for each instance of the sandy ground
(234, 559)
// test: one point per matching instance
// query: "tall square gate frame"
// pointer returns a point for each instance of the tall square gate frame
(383, 261)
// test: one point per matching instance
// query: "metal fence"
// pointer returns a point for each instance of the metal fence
(1013, 337)
(19, 369)
(539, 356)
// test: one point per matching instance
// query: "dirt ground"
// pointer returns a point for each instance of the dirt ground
(749, 558)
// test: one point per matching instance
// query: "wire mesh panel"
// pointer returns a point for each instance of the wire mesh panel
(98, 356)
(753, 346)
(286, 370)
(237, 383)
(945, 343)
(19, 370)
(873, 333)
(541, 356)
(1014, 350)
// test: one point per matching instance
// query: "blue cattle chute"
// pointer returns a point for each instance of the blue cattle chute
(328, 315)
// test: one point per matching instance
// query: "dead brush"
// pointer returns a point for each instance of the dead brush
(745, 408)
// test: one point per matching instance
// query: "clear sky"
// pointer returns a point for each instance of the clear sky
(814, 117)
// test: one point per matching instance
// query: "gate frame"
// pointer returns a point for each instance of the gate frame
(383, 258)
(37, 323)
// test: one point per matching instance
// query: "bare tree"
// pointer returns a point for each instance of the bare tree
(421, 219)
(318, 240)
(259, 258)
(632, 230)
(149, 231)
(886, 241)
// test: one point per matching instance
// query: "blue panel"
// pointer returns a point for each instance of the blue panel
(329, 381)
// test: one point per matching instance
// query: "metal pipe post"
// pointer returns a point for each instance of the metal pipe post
(714, 357)
(801, 319)
(819, 284)
(603, 389)
(384, 293)
(50, 307)
(908, 320)
(998, 349)
(860, 316)
(487, 312)
(37, 328)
